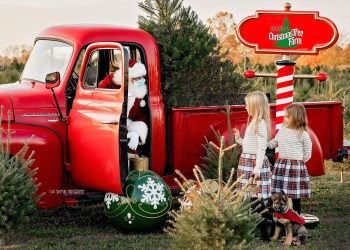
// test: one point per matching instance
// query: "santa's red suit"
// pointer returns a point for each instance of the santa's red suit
(137, 120)
(111, 81)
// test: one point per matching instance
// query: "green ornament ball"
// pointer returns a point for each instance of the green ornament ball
(144, 205)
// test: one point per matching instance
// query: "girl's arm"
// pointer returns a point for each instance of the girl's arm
(307, 145)
(273, 143)
(237, 135)
(262, 145)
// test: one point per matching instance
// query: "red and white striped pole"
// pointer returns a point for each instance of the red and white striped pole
(285, 85)
(285, 89)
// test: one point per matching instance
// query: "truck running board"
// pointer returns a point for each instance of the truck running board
(87, 198)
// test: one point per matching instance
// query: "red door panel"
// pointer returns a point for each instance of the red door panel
(94, 128)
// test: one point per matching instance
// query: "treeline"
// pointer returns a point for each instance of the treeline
(11, 71)
(12, 64)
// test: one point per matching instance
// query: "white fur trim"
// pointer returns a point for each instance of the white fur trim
(137, 70)
(142, 103)
(131, 100)
(128, 122)
(117, 77)
(135, 92)
(140, 128)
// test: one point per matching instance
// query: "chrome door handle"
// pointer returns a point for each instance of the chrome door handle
(110, 122)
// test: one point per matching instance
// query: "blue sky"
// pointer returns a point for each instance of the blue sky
(22, 20)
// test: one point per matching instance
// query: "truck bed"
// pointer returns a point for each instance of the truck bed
(188, 128)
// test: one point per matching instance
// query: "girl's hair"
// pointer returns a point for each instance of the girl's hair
(259, 109)
(297, 116)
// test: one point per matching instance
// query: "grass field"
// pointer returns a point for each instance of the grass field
(86, 227)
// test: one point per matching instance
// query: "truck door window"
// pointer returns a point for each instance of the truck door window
(102, 64)
(103, 69)
(90, 78)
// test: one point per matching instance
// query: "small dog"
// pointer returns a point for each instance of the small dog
(285, 218)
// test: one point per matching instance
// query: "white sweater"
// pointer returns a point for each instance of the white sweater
(292, 144)
(255, 143)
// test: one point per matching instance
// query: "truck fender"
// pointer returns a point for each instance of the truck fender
(48, 157)
(315, 165)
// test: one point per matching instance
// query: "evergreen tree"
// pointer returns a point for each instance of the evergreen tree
(215, 215)
(17, 185)
(230, 158)
(193, 71)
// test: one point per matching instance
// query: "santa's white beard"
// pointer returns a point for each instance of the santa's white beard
(139, 92)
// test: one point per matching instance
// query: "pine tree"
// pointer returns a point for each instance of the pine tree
(229, 160)
(17, 185)
(192, 70)
(217, 216)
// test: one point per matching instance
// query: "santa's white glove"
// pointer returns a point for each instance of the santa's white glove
(134, 140)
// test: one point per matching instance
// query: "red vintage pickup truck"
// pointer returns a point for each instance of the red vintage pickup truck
(79, 129)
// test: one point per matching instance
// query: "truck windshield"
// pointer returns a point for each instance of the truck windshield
(47, 56)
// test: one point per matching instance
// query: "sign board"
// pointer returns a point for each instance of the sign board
(287, 32)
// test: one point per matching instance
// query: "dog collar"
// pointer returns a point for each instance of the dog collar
(292, 216)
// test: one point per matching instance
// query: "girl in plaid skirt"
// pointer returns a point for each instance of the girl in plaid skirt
(254, 165)
(294, 146)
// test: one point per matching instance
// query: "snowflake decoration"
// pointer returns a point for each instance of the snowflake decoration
(111, 197)
(152, 192)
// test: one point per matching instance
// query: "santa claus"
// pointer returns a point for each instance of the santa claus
(137, 90)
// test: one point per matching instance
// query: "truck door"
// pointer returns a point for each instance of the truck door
(97, 121)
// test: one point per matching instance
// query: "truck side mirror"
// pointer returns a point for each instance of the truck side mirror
(52, 80)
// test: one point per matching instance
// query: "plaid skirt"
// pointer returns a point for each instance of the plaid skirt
(245, 167)
(292, 177)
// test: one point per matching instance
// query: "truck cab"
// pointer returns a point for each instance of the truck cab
(80, 129)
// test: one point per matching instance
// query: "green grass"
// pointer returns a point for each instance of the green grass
(86, 227)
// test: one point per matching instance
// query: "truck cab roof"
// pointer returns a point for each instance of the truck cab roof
(82, 34)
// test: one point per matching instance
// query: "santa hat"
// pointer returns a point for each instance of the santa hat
(136, 69)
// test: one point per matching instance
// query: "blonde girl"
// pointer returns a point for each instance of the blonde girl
(294, 146)
(253, 163)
